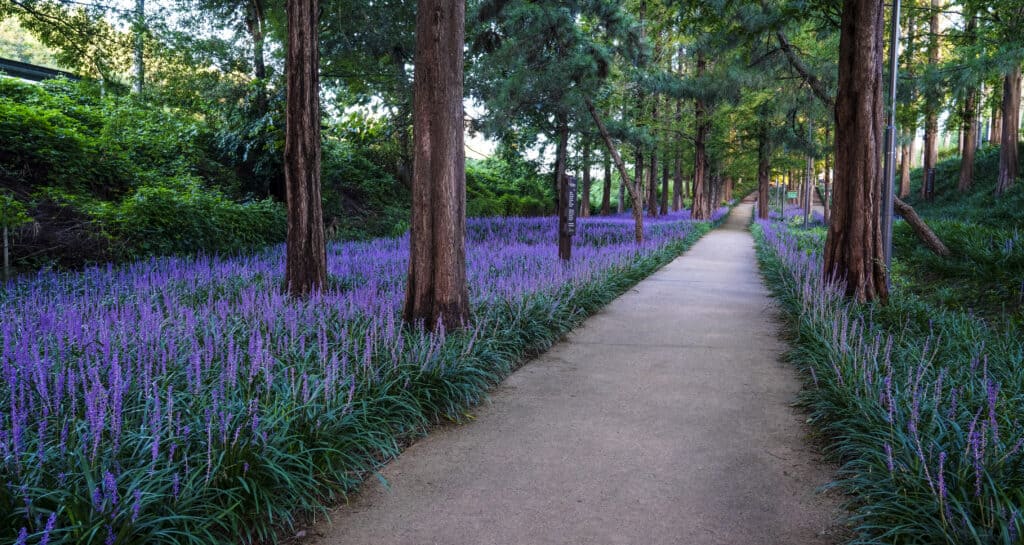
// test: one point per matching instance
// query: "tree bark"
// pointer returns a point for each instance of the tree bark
(140, 33)
(764, 168)
(255, 22)
(995, 134)
(700, 210)
(638, 170)
(931, 115)
(677, 179)
(306, 254)
(606, 193)
(828, 175)
(853, 246)
(926, 235)
(634, 191)
(970, 134)
(664, 187)
(584, 195)
(652, 172)
(1008, 162)
(906, 159)
(562, 187)
(436, 293)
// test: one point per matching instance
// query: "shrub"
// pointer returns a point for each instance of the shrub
(181, 216)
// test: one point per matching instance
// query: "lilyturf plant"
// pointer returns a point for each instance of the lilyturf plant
(187, 400)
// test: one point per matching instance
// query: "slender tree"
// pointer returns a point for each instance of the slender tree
(969, 125)
(1008, 151)
(584, 194)
(853, 249)
(701, 208)
(606, 189)
(764, 167)
(436, 293)
(306, 255)
(931, 111)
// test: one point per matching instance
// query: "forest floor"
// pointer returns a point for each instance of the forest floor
(666, 418)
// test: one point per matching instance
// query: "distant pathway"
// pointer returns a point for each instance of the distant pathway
(665, 419)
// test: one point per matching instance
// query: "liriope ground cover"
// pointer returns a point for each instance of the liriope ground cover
(922, 406)
(188, 401)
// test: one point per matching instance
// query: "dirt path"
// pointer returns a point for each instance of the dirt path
(665, 419)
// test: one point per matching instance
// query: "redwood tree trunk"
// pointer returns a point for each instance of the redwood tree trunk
(606, 193)
(1010, 139)
(584, 195)
(853, 247)
(931, 121)
(677, 179)
(995, 133)
(970, 145)
(306, 253)
(701, 204)
(652, 172)
(652, 185)
(764, 168)
(664, 187)
(827, 206)
(638, 170)
(436, 292)
(561, 158)
(906, 159)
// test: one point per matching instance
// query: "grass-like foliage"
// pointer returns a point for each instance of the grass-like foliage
(985, 274)
(188, 401)
(922, 406)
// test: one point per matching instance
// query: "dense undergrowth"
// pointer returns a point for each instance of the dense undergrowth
(922, 405)
(188, 401)
(985, 274)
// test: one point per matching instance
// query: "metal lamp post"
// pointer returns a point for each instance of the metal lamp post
(890, 145)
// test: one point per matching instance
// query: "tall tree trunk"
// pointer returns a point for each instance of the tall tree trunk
(764, 168)
(584, 195)
(652, 184)
(1011, 125)
(853, 246)
(638, 170)
(562, 188)
(652, 172)
(969, 130)
(828, 174)
(140, 58)
(701, 209)
(436, 293)
(664, 187)
(306, 253)
(634, 191)
(255, 21)
(907, 155)
(931, 122)
(995, 135)
(606, 193)
(677, 179)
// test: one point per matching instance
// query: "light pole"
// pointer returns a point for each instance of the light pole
(890, 145)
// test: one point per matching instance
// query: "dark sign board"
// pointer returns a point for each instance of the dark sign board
(570, 214)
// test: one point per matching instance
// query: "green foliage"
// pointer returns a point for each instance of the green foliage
(128, 172)
(921, 406)
(180, 216)
(12, 212)
(506, 185)
(986, 270)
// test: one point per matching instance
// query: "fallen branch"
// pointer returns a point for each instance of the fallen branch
(634, 191)
(923, 232)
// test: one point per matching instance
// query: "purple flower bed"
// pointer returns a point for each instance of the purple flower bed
(188, 401)
(924, 407)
